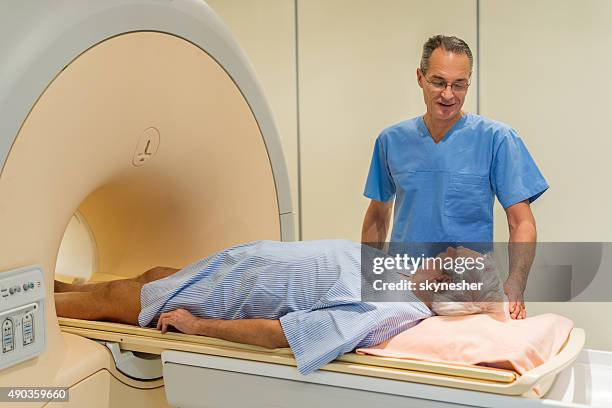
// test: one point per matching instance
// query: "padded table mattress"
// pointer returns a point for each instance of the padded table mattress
(533, 383)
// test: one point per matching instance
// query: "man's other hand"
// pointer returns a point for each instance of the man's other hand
(516, 304)
(180, 319)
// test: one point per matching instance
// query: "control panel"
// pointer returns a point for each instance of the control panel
(22, 303)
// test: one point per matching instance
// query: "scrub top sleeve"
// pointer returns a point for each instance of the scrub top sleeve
(317, 337)
(380, 185)
(515, 177)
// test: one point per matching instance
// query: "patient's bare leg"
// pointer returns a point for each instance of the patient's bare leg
(59, 287)
(151, 275)
(115, 301)
(157, 273)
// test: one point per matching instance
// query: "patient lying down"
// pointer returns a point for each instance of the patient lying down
(305, 295)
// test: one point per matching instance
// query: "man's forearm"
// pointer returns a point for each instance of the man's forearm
(521, 250)
(258, 332)
(375, 225)
(374, 233)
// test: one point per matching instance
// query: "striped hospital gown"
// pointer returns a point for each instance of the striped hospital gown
(313, 287)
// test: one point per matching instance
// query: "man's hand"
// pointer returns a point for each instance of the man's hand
(514, 290)
(180, 319)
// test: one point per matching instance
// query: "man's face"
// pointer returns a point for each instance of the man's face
(445, 67)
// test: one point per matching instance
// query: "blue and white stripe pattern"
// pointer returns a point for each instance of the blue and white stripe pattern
(313, 287)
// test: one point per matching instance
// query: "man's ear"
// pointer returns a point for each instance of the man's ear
(419, 77)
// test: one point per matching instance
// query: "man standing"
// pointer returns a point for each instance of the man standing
(443, 170)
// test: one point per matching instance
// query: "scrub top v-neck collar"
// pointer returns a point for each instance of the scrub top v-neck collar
(429, 140)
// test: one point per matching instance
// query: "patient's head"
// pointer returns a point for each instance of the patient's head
(487, 300)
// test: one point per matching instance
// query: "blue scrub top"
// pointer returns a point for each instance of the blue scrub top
(445, 192)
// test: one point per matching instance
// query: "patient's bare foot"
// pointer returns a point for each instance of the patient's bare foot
(59, 287)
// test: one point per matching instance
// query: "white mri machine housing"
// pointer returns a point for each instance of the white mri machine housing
(144, 118)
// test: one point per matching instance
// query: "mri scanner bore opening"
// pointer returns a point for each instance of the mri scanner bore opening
(77, 257)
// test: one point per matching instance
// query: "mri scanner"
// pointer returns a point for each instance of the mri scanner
(142, 122)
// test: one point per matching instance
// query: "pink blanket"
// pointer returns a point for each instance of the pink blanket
(484, 339)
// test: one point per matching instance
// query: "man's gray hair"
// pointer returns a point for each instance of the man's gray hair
(490, 299)
(448, 43)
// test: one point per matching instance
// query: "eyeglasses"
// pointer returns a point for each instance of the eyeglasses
(441, 85)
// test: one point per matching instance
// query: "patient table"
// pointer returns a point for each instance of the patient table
(232, 374)
(143, 121)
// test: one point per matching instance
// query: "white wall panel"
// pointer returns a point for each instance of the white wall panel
(357, 63)
(545, 69)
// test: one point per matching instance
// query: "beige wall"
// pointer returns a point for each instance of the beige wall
(550, 80)
(358, 61)
(545, 70)
(266, 31)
